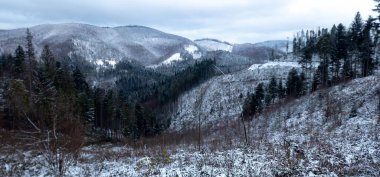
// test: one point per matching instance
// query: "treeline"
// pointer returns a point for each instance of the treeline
(45, 97)
(147, 94)
(265, 95)
(46, 94)
(343, 54)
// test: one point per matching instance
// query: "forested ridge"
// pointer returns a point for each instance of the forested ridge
(342, 54)
(44, 93)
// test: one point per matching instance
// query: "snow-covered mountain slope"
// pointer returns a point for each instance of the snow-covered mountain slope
(332, 132)
(281, 45)
(188, 52)
(214, 45)
(254, 51)
(221, 98)
(247, 49)
(146, 45)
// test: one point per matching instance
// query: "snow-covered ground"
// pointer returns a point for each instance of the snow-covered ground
(332, 132)
(221, 98)
(214, 45)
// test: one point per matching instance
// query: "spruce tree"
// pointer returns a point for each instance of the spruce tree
(366, 49)
(18, 65)
(272, 89)
(301, 86)
(324, 47)
(281, 91)
(291, 83)
(377, 8)
(258, 98)
(355, 41)
(31, 59)
(48, 61)
(340, 50)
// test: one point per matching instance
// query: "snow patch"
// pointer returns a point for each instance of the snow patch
(99, 62)
(173, 58)
(274, 65)
(194, 51)
(104, 63)
(214, 45)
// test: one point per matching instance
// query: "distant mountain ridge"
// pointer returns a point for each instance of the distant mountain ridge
(106, 46)
(144, 44)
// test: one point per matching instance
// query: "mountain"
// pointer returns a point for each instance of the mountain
(221, 97)
(214, 44)
(102, 45)
(276, 44)
(255, 51)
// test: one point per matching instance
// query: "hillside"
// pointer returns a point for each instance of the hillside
(316, 135)
(100, 44)
(221, 98)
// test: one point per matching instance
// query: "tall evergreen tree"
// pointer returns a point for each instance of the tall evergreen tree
(48, 61)
(355, 35)
(324, 50)
(340, 51)
(366, 49)
(18, 64)
(80, 80)
(301, 86)
(259, 97)
(377, 8)
(281, 91)
(30, 53)
(291, 83)
(272, 89)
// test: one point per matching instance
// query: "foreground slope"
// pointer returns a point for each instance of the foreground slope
(332, 132)
(221, 98)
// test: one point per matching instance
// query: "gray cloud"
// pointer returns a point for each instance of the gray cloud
(230, 20)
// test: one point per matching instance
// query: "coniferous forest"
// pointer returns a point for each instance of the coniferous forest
(342, 53)
(85, 100)
(43, 93)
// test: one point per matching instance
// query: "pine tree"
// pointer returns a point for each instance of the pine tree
(80, 81)
(140, 120)
(247, 108)
(377, 8)
(255, 105)
(295, 49)
(48, 61)
(291, 83)
(324, 46)
(31, 59)
(366, 49)
(109, 110)
(63, 80)
(281, 91)
(301, 86)
(99, 107)
(355, 41)
(340, 50)
(45, 99)
(258, 98)
(272, 89)
(18, 65)
(316, 82)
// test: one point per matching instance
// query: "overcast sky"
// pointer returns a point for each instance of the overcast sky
(235, 21)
